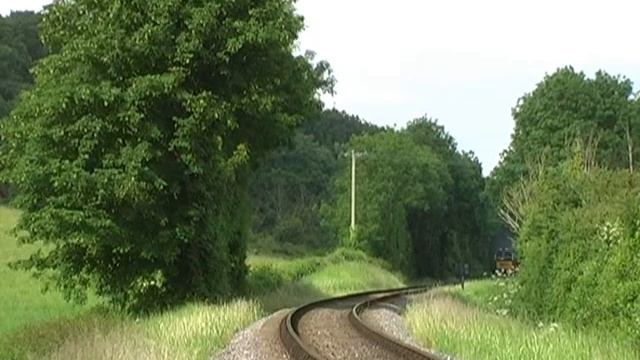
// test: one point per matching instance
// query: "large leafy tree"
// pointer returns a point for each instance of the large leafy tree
(565, 107)
(458, 230)
(420, 202)
(131, 152)
(395, 177)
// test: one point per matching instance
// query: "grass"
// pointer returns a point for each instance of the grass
(194, 331)
(21, 299)
(344, 278)
(333, 280)
(47, 327)
(474, 324)
(197, 330)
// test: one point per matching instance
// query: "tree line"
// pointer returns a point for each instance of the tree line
(291, 184)
(420, 201)
(568, 188)
(152, 146)
(20, 48)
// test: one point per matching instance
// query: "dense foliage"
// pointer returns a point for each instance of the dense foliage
(20, 47)
(286, 191)
(567, 188)
(580, 240)
(458, 232)
(290, 184)
(131, 153)
(419, 201)
(568, 106)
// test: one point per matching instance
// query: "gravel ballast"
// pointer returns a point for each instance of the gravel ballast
(326, 329)
(329, 330)
(389, 322)
(260, 341)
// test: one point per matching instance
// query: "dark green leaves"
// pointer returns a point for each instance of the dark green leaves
(419, 201)
(567, 106)
(132, 151)
(20, 47)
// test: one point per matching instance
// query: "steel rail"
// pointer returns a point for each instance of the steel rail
(299, 349)
(403, 350)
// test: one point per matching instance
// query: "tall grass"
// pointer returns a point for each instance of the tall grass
(21, 299)
(193, 331)
(333, 280)
(43, 326)
(448, 324)
(196, 330)
(348, 277)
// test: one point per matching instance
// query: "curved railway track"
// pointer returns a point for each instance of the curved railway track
(334, 329)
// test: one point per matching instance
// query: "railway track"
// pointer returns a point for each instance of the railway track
(334, 329)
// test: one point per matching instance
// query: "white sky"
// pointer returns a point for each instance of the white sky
(463, 62)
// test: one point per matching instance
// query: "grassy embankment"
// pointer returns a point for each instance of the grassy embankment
(21, 299)
(477, 324)
(44, 326)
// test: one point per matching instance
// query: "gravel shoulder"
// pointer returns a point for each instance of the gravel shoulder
(260, 341)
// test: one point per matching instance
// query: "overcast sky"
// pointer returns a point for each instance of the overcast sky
(463, 62)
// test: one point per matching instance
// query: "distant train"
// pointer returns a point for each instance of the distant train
(507, 262)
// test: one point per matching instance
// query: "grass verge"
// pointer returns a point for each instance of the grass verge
(194, 331)
(21, 298)
(36, 326)
(474, 324)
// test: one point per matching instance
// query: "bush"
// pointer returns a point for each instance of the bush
(269, 276)
(266, 277)
(579, 242)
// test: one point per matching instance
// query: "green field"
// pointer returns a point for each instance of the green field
(21, 298)
(36, 325)
(475, 324)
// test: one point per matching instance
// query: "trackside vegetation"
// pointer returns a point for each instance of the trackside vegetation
(193, 331)
(170, 174)
(476, 323)
(580, 240)
(131, 153)
(568, 189)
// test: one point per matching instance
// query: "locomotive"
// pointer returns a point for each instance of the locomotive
(506, 261)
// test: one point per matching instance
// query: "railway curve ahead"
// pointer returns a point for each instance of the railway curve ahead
(334, 329)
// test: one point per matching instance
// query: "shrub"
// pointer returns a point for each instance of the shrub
(579, 243)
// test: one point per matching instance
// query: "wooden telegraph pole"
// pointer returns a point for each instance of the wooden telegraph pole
(353, 191)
